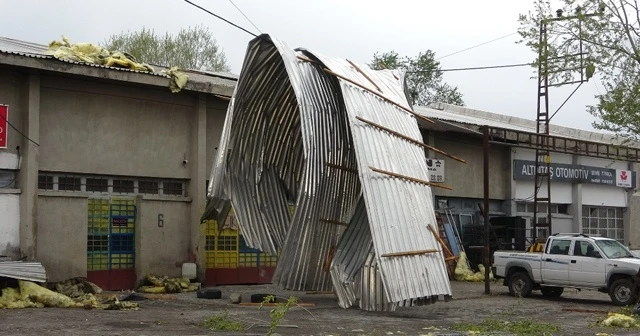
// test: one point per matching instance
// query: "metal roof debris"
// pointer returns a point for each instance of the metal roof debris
(22, 270)
(295, 135)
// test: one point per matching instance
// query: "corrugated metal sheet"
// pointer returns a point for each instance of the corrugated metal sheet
(30, 271)
(292, 137)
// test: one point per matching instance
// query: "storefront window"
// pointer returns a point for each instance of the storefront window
(604, 221)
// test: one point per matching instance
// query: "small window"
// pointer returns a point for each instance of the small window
(123, 186)
(227, 243)
(559, 246)
(97, 184)
(172, 188)
(521, 207)
(69, 183)
(148, 187)
(45, 182)
(563, 209)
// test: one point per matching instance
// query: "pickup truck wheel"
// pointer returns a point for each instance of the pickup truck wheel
(553, 292)
(520, 284)
(623, 292)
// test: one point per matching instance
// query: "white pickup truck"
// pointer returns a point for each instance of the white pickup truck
(572, 260)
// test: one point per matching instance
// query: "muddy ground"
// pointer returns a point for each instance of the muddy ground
(185, 315)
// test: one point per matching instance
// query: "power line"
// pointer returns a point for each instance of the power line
(246, 17)
(475, 46)
(17, 130)
(221, 18)
(479, 68)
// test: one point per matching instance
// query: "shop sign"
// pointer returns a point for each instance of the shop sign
(563, 172)
(436, 170)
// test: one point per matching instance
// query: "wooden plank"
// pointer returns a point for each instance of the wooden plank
(365, 75)
(251, 304)
(408, 253)
(402, 136)
(320, 293)
(412, 179)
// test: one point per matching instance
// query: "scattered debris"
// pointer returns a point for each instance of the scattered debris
(92, 54)
(223, 322)
(620, 321)
(178, 79)
(31, 295)
(521, 327)
(75, 287)
(235, 298)
(580, 310)
(464, 273)
(23, 270)
(163, 285)
(209, 293)
(256, 304)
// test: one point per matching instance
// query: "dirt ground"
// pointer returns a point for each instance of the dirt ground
(185, 315)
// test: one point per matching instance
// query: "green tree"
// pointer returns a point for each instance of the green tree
(609, 31)
(423, 77)
(193, 48)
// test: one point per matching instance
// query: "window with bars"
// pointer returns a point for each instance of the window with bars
(542, 208)
(123, 186)
(149, 187)
(69, 183)
(107, 184)
(97, 184)
(45, 182)
(605, 221)
(172, 188)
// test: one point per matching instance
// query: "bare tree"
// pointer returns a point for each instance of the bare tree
(192, 48)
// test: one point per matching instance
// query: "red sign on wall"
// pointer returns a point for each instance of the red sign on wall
(4, 123)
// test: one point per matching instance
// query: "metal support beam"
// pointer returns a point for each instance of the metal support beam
(485, 178)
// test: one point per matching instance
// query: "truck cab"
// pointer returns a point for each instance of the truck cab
(572, 261)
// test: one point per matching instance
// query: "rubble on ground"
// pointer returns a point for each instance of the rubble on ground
(75, 287)
(163, 285)
(464, 273)
(31, 295)
(620, 320)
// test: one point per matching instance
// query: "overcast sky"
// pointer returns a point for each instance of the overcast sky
(353, 29)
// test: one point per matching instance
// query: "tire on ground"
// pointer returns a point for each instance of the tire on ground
(552, 292)
(259, 298)
(623, 292)
(520, 284)
(209, 293)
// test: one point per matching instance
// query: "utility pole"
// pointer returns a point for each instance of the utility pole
(543, 174)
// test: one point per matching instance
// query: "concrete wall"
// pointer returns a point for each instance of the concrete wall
(123, 130)
(12, 93)
(162, 250)
(62, 236)
(467, 179)
(216, 112)
(10, 225)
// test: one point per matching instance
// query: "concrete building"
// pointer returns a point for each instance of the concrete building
(589, 195)
(105, 170)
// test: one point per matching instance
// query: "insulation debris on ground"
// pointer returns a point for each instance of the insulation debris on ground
(75, 287)
(93, 54)
(162, 285)
(620, 321)
(464, 272)
(32, 295)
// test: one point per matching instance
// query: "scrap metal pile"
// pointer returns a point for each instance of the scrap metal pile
(340, 143)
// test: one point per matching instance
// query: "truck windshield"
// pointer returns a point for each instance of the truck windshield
(613, 249)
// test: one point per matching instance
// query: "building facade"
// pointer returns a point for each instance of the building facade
(588, 195)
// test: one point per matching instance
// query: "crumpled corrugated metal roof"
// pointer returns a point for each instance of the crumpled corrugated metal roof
(35, 50)
(293, 136)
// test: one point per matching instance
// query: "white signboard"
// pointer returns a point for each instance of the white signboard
(436, 170)
(623, 178)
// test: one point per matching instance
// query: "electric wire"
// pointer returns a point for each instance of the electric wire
(221, 18)
(17, 130)
(245, 16)
(476, 46)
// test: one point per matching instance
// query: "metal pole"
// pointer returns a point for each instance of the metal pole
(487, 266)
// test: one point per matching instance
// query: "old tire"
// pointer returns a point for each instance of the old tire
(623, 292)
(209, 293)
(259, 298)
(552, 292)
(520, 284)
